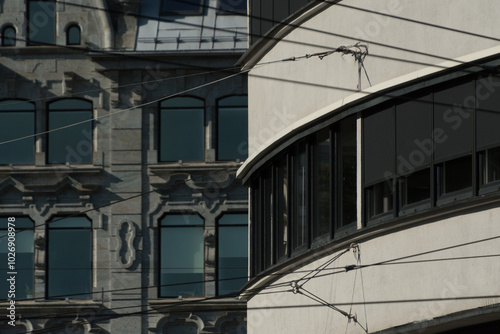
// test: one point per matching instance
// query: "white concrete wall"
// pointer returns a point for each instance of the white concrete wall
(390, 290)
(286, 92)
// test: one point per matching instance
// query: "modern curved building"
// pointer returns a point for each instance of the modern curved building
(374, 174)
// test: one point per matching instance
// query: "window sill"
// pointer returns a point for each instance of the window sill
(57, 306)
(197, 304)
(50, 169)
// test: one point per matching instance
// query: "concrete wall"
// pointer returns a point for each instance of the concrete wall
(451, 275)
(411, 36)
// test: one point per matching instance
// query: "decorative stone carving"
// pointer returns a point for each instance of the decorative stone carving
(126, 254)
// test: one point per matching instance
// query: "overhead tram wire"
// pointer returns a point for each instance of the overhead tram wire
(286, 283)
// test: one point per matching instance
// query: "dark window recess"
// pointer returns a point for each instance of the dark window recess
(69, 258)
(416, 187)
(182, 123)
(232, 128)
(283, 209)
(379, 198)
(268, 218)
(455, 175)
(71, 144)
(232, 252)
(233, 5)
(182, 7)
(73, 35)
(23, 260)
(347, 171)
(322, 153)
(17, 119)
(301, 193)
(181, 256)
(41, 23)
(490, 162)
(9, 36)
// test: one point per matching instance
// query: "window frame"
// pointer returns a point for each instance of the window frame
(68, 32)
(17, 231)
(217, 116)
(218, 227)
(91, 251)
(91, 128)
(221, 10)
(34, 126)
(161, 250)
(29, 39)
(203, 130)
(6, 38)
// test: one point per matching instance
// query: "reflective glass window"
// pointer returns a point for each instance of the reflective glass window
(17, 120)
(182, 129)
(70, 144)
(232, 125)
(322, 155)
(41, 29)
(9, 36)
(182, 7)
(347, 170)
(20, 235)
(233, 5)
(455, 175)
(181, 258)
(69, 258)
(232, 252)
(301, 197)
(283, 210)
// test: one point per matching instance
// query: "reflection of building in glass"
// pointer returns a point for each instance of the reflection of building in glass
(390, 154)
(122, 125)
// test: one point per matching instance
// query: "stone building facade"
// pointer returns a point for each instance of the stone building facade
(134, 123)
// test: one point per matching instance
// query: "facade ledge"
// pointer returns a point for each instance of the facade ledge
(197, 305)
(42, 50)
(50, 170)
(47, 307)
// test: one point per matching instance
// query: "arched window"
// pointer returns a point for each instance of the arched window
(9, 36)
(73, 35)
(232, 124)
(182, 121)
(17, 120)
(72, 144)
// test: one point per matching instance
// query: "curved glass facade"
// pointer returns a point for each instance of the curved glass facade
(429, 149)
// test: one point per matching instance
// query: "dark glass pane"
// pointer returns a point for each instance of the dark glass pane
(73, 35)
(23, 263)
(182, 6)
(488, 113)
(283, 208)
(232, 140)
(41, 22)
(9, 36)
(267, 218)
(414, 135)
(232, 258)
(179, 220)
(453, 120)
(281, 10)
(378, 134)
(379, 198)
(234, 219)
(348, 192)
(322, 184)
(72, 144)
(70, 104)
(491, 165)
(70, 222)
(233, 5)
(256, 226)
(17, 124)
(417, 187)
(69, 267)
(181, 272)
(455, 175)
(300, 221)
(181, 133)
